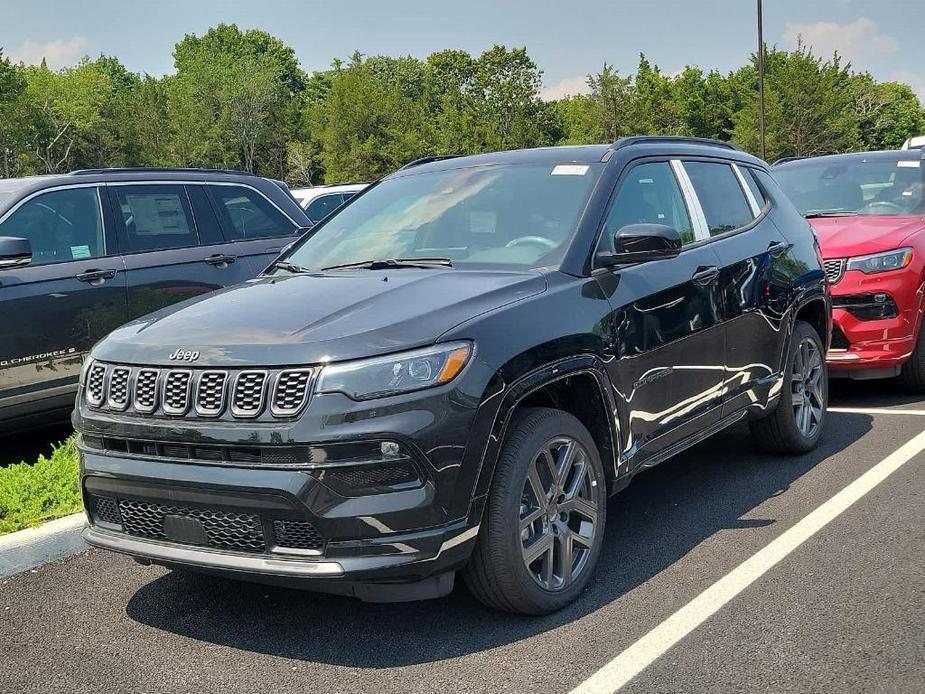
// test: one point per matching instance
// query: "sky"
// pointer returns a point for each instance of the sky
(567, 40)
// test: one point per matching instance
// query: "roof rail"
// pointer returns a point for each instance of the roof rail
(157, 169)
(428, 160)
(678, 139)
(784, 160)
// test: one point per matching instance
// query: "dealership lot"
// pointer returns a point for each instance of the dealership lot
(842, 611)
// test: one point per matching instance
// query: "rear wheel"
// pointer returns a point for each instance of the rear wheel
(912, 375)
(796, 423)
(542, 529)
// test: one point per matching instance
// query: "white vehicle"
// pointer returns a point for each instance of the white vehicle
(915, 143)
(320, 201)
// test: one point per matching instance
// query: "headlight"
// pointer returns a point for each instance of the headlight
(881, 262)
(397, 373)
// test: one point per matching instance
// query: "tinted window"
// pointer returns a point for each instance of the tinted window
(155, 217)
(323, 205)
(206, 223)
(749, 176)
(61, 225)
(249, 215)
(721, 197)
(649, 194)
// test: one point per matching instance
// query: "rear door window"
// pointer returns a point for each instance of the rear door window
(721, 197)
(323, 205)
(155, 217)
(246, 214)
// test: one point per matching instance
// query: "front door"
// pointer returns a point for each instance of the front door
(54, 309)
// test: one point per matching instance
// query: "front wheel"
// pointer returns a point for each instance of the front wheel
(796, 423)
(543, 524)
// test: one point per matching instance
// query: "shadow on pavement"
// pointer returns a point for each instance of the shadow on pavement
(655, 522)
(844, 392)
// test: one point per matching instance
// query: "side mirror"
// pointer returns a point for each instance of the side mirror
(641, 243)
(14, 252)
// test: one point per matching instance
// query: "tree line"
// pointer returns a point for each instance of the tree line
(239, 99)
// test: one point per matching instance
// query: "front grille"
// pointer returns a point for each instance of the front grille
(839, 341)
(240, 532)
(106, 510)
(146, 391)
(210, 396)
(372, 476)
(297, 535)
(96, 379)
(291, 392)
(176, 392)
(118, 388)
(834, 269)
(268, 456)
(248, 393)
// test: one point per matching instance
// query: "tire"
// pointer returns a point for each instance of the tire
(498, 573)
(781, 431)
(912, 375)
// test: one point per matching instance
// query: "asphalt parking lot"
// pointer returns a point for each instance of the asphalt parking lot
(840, 612)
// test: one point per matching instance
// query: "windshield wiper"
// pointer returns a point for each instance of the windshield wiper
(289, 267)
(813, 214)
(389, 263)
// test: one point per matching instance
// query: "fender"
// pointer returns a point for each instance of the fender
(511, 395)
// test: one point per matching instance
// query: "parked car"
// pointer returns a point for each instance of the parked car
(869, 212)
(85, 252)
(457, 369)
(917, 142)
(321, 201)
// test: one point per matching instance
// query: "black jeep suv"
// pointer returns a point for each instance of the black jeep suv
(457, 369)
(83, 253)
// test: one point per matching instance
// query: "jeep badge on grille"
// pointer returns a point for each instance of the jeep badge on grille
(184, 355)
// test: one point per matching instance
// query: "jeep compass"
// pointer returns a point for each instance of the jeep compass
(455, 371)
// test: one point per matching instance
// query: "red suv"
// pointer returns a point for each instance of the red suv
(868, 211)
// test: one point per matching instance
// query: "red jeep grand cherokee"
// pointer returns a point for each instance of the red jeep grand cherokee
(868, 211)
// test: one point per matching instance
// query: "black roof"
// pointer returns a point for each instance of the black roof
(880, 155)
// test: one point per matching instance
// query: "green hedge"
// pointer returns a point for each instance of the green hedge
(44, 490)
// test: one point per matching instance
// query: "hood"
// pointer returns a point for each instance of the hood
(312, 318)
(843, 237)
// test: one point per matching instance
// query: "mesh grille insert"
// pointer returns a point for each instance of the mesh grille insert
(106, 510)
(176, 392)
(210, 395)
(291, 392)
(118, 388)
(95, 380)
(297, 535)
(369, 476)
(248, 393)
(834, 269)
(241, 532)
(146, 391)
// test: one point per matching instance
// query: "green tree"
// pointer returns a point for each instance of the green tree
(12, 87)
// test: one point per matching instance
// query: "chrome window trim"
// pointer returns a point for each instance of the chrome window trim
(752, 203)
(206, 412)
(157, 385)
(247, 414)
(698, 218)
(174, 411)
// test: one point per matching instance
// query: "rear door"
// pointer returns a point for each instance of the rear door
(750, 249)
(257, 228)
(54, 309)
(172, 246)
(669, 344)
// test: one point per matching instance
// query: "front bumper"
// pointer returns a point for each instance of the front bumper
(866, 345)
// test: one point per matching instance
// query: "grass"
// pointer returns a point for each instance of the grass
(47, 489)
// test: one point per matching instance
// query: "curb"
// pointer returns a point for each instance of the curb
(32, 547)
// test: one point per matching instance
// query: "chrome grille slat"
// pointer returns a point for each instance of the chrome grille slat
(834, 270)
(118, 387)
(210, 393)
(96, 382)
(176, 392)
(291, 392)
(249, 387)
(145, 396)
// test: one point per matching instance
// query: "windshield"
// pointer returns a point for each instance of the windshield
(516, 215)
(855, 185)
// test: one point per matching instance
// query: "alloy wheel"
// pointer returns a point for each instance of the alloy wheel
(559, 513)
(807, 387)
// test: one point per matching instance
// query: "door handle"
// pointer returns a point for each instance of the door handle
(96, 277)
(219, 260)
(778, 248)
(705, 275)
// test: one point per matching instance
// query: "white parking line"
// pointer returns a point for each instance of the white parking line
(623, 668)
(875, 410)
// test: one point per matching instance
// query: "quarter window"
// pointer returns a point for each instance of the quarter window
(248, 215)
(155, 217)
(649, 194)
(323, 205)
(721, 197)
(61, 226)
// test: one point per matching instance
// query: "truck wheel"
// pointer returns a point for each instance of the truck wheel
(912, 375)
(796, 423)
(543, 525)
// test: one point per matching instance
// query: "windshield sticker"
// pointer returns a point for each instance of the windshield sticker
(80, 252)
(909, 164)
(569, 170)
